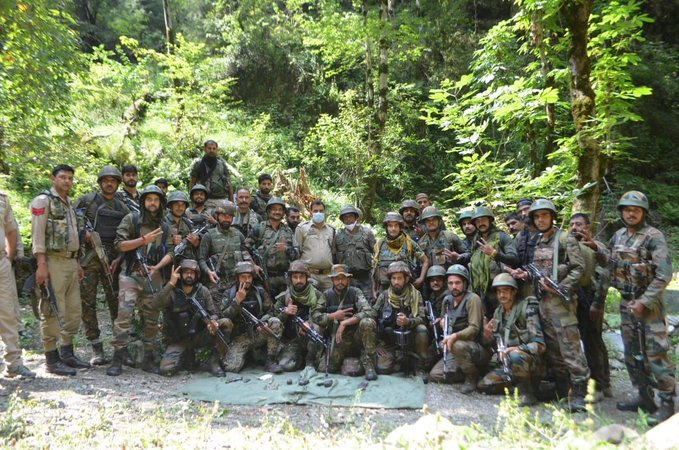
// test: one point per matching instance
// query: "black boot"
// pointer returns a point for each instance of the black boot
(576, 401)
(526, 394)
(272, 366)
(150, 365)
(99, 358)
(69, 358)
(116, 367)
(663, 413)
(215, 367)
(636, 404)
(55, 365)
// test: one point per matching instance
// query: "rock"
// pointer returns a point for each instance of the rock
(663, 436)
(613, 341)
(615, 434)
(430, 430)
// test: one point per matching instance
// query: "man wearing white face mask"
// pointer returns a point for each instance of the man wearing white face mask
(315, 240)
(354, 247)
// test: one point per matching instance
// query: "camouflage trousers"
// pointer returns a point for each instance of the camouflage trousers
(596, 353)
(357, 340)
(134, 292)
(94, 275)
(564, 352)
(277, 284)
(466, 358)
(657, 347)
(364, 283)
(299, 351)
(217, 290)
(391, 358)
(234, 359)
(181, 353)
(523, 367)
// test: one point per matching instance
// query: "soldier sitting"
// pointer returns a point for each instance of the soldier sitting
(516, 330)
(250, 313)
(187, 330)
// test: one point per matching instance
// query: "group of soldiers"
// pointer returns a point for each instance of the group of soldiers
(248, 282)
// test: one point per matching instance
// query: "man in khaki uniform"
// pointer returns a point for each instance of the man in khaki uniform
(9, 326)
(315, 241)
(56, 246)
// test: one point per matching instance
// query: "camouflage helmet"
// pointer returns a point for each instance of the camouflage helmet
(152, 189)
(504, 279)
(109, 171)
(178, 196)
(482, 211)
(349, 209)
(459, 270)
(398, 267)
(244, 267)
(436, 271)
(190, 264)
(429, 212)
(392, 216)
(541, 203)
(409, 204)
(298, 266)
(224, 207)
(275, 201)
(633, 198)
(198, 187)
(465, 214)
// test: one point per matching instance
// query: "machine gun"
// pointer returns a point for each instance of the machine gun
(144, 268)
(205, 317)
(645, 377)
(258, 323)
(432, 320)
(504, 358)
(536, 275)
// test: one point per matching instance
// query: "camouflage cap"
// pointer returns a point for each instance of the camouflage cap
(224, 207)
(339, 269)
(421, 196)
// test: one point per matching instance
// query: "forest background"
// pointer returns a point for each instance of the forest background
(468, 100)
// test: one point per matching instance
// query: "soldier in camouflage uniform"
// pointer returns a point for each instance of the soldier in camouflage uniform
(272, 242)
(262, 196)
(303, 300)
(516, 332)
(559, 322)
(492, 248)
(525, 240)
(212, 172)
(354, 247)
(438, 290)
(146, 234)
(245, 219)
(462, 311)
(103, 212)
(348, 323)
(180, 227)
(641, 268)
(442, 247)
(410, 211)
(401, 324)
(198, 212)
(220, 249)
(56, 245)
(129, 193)
(396, 246)
(187, 330)
(464, 220)
(245, 335)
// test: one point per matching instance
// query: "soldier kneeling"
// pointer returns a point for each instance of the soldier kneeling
(515, 329)
(192, 320)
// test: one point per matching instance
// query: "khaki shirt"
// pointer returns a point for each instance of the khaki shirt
(315, 245)
(7, 222)
(40, 216)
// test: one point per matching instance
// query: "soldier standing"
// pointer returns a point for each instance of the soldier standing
(442, 247)
(641, 268)
(245, 218)
(410, 211)
(198, 212)
(56, 246)
(246, 336)
(468, 230)
(292, 217)
(147, 241)
(262, 196)
(516, 332)
(315, 241)
(354, 247)
(129, 194)
(212, 172)
(180, 227)
(103, 211)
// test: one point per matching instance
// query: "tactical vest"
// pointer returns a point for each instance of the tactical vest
(217, 181)
(267, 238)
(543, 256)
(253, 302)
(183, 321)
(332, 300)
(514, 330)
(153, 252)
(526, 245)
(632, 269)
(458, 317)
(386, 257)
(57, 230)
(434, 249)
(227, 246)
(387, 316)
(354, 250)
(105, 219)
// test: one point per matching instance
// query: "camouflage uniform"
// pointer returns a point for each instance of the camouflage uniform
(104, 216)
(245, 337)
(224, 248)
(388, 305)
(262, 241)
(360, 339)
(311, 304)
(436, 300)
(246, 222)
(402, 248)
(258, 204)
(433, 247)
(217, 183)
(178, 226)
(519, 328)
(356, 251)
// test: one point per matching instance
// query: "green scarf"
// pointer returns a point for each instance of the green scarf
(307, 297)
(480, 265)
(407, 298)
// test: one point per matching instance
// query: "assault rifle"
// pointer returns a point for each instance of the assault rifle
(258, 323)
(645, 377)
(181, 247)
(432, 319)
(536, 275)
(313, 335)
(504, 358)
(205, 317)
(101, 255)
(144, 268)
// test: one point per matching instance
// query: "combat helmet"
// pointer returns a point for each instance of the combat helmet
(349, 209)
(244, 267)
(398, 267)
(436, 271)
(459, 270)
(541, 203)
(429, 212)
(275, 201)
(504, 279)
(482, 211)
(298, 266)
(633, 198)
(198, 187)
(392, 216)
(224, 207)
(190, 264)
(465, 214)
(409, 204)
(178, 196)
(152, 189)
(109, 171)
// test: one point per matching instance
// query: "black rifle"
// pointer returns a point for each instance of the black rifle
(144, 269)
(258, 323)
(432, 319)
(536, 275)
(181, 247)
(47, 292)
(645, 377)
(313, 335)
(100, 252)
(205, 317)
(504, 358)
(403, 339)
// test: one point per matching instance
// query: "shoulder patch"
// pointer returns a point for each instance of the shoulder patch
(38, 211)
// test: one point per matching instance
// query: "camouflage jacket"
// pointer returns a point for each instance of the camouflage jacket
(355, 249)
(225, 248)
(257, 301)
(263, 239)
(258, 204)
(520, 327)
(571, 264)
(352, 297)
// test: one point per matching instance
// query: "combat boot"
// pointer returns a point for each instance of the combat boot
(272, 366)
(576, 401)
(526, 395)
(470, 381)
(56, 366)
(215, 367)
(663, 413)
(99, 358)
(636, 404)
(369, 367)
(69, 358)
(116, 367)
(150, 365)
